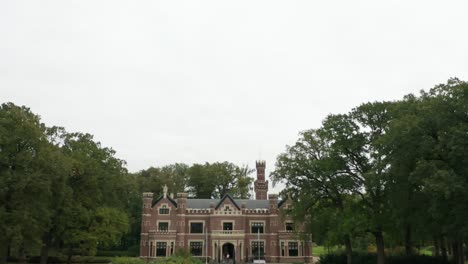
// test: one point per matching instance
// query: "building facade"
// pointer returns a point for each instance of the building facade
(239, 230)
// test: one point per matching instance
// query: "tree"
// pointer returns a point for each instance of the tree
(316, 176)
(217, 179)
(25, 187)
(97, 183)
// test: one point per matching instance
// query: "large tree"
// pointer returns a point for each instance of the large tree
(217, 179)
(26, 164)
(316, 178)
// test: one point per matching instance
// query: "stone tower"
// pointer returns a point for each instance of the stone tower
(261, 186)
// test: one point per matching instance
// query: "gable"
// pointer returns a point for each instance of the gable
(227, 201)
(164, 199)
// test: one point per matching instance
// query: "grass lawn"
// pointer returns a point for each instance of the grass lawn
(322, 250)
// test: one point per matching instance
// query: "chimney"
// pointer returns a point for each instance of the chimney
(182, 200)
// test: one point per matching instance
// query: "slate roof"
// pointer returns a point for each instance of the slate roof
(169, 198)
(205, 203)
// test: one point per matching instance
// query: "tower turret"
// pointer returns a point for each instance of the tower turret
(261, 186)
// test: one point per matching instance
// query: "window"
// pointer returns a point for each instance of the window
(257, 227)
(164, 210)
(258, 249)
(163, 226)
(293, 249)
(227, 226)
(161, 249)
(196, 248)
(196, 228)
(282, 248)
(289, 227)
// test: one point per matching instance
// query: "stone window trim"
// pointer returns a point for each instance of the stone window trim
(228, 221)
(253, 223)
(198, 243)
(253, 244)
(286, 250)
(163, 221)
(164, 209)
(196, 221)
(170, 247)
(289, 226)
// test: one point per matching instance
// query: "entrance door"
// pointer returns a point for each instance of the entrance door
(229, 253)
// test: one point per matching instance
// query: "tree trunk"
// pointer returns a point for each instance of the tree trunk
(349, 249)
(436, 247)
(408, 242)
(379, 241)
(3, 253)
(45, 248)
(22, 255)
(465, 249)
(461, 252)
(70, 254)
(449, 247)
(456, 258)
(443, 248)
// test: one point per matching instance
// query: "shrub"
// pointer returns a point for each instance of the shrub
(112, 253)
(180, 257)
(75, 259)
(371, 258)
(126, 260)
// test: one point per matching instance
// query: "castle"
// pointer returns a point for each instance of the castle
(238, 230)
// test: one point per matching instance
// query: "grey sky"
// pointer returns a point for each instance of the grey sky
(195, 81)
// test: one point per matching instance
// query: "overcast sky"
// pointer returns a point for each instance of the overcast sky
(205, 81)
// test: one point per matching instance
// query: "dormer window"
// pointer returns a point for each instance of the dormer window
(163, 210)
(289, 227)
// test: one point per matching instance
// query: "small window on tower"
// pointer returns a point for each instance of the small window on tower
(289, 227)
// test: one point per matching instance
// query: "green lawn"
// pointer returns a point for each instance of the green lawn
(322, 250)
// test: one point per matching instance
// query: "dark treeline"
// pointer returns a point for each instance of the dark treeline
(66, 194)
(395, 171)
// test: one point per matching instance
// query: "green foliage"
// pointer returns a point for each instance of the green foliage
(126, 260)
(217, 179)
(368, 258)
(180, 257)
(397, 169)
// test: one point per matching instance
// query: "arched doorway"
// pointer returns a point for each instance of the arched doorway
(229, 252)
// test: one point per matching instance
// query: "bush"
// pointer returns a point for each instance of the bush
(180, 257)
(125, 260)
(371, 258)
(113, 253)
(361, 258)
(75, 259)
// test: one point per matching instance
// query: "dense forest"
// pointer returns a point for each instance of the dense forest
(64, 192)
(396, 172)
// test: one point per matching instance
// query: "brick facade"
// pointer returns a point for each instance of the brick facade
(240, 229)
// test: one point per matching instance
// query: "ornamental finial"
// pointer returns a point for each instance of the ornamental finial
(165, 191)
